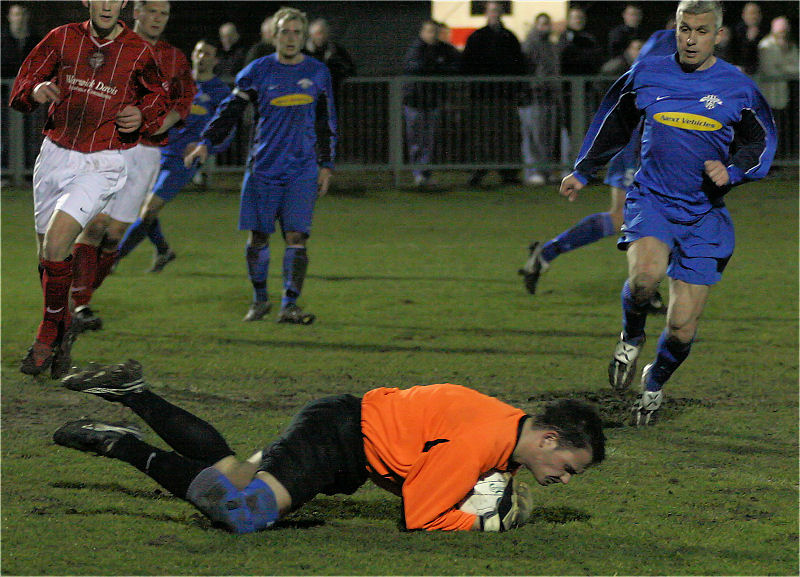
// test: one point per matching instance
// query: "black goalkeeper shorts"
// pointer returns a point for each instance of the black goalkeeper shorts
(322, 450)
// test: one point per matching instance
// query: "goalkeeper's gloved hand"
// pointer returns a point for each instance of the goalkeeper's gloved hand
(513, 509)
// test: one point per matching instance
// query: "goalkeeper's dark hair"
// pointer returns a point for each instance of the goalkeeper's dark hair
(578, 424)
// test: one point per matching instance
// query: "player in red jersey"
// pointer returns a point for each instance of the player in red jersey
(104, 90)
(95, 252)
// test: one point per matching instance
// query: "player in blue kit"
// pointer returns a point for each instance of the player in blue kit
(173, 175)
(706, 128)
(291, 157)
(619, 177)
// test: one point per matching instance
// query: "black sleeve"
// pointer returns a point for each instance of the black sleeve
(324, 132)
(749, 141)
(227, 117)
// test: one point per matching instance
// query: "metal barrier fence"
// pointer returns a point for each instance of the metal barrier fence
(503, 122)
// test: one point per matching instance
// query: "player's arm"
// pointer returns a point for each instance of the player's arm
(325, 126)
(33, 85)
(438, 481)
(754, 143)
(182, 91)
(608, 133)
(154, 103)
(222, 125)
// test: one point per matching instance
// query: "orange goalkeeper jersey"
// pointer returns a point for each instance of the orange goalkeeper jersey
(431, 444)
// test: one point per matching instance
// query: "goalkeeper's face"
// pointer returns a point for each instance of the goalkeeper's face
(554, 463)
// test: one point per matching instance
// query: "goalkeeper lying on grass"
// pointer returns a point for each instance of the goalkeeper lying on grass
(429, 444)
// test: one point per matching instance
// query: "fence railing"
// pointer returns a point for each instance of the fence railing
(474, 123)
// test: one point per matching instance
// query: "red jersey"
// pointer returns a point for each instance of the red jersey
(432, 443)
(175, 68)
(97, 78)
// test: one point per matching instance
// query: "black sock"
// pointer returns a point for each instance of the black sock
(170, 470)
(187, 434)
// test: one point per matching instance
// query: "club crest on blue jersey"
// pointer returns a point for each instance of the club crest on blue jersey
(305, 83)
(711, 101)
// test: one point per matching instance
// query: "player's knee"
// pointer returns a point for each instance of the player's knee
(296, 238)
(681, 329)
(96, 229)
(643, 286)
(240, 511)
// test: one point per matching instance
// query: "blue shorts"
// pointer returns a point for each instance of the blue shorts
(623, 166)
(700, 250)
(290, 201)
(172, 177)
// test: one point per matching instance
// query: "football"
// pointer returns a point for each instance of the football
(486, 493)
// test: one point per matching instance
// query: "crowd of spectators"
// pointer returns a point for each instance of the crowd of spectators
(549, 49)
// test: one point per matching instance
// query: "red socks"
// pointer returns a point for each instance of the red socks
(105, 262)
(84, 270)
(56, 280)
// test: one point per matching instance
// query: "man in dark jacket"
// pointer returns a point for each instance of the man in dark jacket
(427, 56)
(493, 51)
(336, 58)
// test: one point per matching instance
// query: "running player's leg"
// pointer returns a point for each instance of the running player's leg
(257, 213)
(296, 215)
(70, 188)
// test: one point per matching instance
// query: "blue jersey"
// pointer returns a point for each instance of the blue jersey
(623, 166)
(210, 94)
(660, 43)
(689, 118)
(296, 129)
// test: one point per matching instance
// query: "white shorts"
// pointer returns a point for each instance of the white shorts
(143, 163)
(77, 183)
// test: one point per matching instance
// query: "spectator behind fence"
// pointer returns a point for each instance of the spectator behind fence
(724, 48)
(747, 33)
(619, 65)
(231, 55)
(539, 122)
(264, 46)
(336, 58)
(580, 55)
(631, 29)
(427, 56)
(18, 40)
(492, 51)
(778, 55)
(579, 50)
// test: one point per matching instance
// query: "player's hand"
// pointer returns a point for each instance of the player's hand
(324, 181)
(199, 153)
(570, 187)
(717, 172)
(129, 119)
(45, 92)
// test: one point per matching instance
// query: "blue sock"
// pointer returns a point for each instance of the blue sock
(634, 316)
(295, 264)
(133, 236)
(589, 230)
(157, 237)
(257, 268)
(670, 353)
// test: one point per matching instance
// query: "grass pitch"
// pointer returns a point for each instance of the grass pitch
(416, 288)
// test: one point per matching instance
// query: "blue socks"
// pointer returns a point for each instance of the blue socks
(257, 268)
(295, 264)
(634, 316)
(136, 233)
(133, 236)
(589, 230)
(157, 237)
(669, 356)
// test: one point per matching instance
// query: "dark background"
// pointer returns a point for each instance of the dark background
(376, 33)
